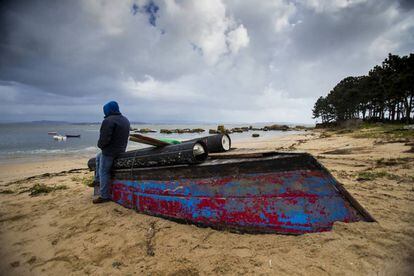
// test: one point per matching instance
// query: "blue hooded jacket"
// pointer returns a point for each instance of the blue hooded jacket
(111, 108)
(114, 133)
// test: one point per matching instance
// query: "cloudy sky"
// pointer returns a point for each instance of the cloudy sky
(188, 60)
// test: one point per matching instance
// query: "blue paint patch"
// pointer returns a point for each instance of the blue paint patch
(245, 186)
(206, 212)
(296, 218)
(263, 217)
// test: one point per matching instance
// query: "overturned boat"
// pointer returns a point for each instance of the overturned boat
(271, 192)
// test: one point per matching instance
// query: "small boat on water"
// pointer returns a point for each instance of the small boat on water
(52, 133)
(72, 135)
(59, 137)
(270, 192)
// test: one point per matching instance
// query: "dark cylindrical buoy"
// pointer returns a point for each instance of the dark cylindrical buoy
(216, 143)
(191, 152)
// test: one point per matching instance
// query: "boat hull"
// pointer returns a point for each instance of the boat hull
(289, 194)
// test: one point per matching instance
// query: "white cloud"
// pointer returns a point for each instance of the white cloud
(151, 89)
(207, 26)
(282, 15)
(237, 39)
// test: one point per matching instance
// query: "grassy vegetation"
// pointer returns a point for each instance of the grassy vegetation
(76, 179)
(325, 134)
(86, 180)
(406, 166)
(371, 175)
(344, 131)
(38, 189)
(338, 151)
(386, 131)
(384, 162)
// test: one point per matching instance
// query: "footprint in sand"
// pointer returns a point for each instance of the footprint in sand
(31, 260)
(15, 264)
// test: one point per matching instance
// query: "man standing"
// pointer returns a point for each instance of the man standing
(113, 140)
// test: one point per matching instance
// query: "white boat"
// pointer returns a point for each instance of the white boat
(59, 137)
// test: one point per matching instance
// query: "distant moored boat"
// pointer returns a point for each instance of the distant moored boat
(59, 137)
(73, 135)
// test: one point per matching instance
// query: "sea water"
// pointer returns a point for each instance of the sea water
(31, 140)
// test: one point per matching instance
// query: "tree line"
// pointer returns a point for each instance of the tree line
(385, 94)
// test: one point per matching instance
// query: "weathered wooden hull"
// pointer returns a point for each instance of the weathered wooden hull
(278, 193)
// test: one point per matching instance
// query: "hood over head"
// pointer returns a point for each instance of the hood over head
(111, 108)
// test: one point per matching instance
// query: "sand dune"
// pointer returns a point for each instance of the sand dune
(62, 232)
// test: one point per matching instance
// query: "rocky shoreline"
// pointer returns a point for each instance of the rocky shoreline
(222, 129)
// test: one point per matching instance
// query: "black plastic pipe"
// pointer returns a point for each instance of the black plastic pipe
(216, 143)
(190, 152)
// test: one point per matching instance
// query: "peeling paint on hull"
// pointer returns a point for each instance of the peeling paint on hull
(293, 201)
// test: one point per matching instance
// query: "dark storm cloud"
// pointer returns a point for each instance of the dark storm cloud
(40, 47)
(219, 60)
(63, 48)
(407, 4)
(344, 30)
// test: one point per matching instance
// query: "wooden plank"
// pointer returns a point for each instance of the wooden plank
(147, 140)
(236, 155)
(245, 153)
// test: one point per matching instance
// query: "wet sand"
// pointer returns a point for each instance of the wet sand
(62, 232)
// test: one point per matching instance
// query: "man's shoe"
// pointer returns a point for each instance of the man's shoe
(100, 200)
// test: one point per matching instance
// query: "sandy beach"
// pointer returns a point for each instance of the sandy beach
(62, 232)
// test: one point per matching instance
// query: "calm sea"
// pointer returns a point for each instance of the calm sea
(31, 140)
